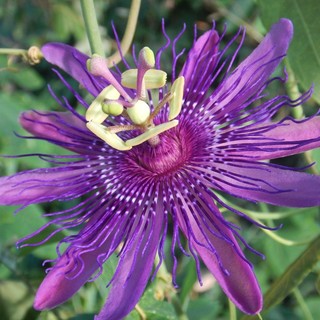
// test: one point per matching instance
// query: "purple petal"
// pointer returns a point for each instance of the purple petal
(250, 76)
(268, 183)
(62, 128)
(75, 267)
(134, 269)
(280, 140)
(56, 288)
(240, 284)
(73, 62)
(201, 59)
(42, 185)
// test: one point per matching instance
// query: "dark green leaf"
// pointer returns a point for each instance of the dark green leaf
(27, 78)
(86, 316)
(153, 308)
(188, 281)
(13, 227)
(304, 52)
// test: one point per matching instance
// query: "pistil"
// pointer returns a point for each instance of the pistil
(146, 62)
(97, 66)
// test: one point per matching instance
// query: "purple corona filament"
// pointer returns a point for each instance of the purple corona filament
(222, 137)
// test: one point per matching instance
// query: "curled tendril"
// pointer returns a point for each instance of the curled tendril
(33, 55)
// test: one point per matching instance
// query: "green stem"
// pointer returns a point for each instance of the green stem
(14, 52)
(128, 34)
(178, 308)
(92, 27)
(33, 55)
(306, 312)
(233, 311)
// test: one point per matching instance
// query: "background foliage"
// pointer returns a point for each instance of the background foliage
(34, 22)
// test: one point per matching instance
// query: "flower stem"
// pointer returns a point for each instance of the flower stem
(14, 52)
(128, 34)
(33, 55)
(233, 312)
(92, 27)
(178, 308)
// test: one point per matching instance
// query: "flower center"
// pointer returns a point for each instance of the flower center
(165, 158)
(115, 101)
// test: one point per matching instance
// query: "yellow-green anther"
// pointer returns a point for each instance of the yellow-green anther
(139, 113)
(146, 58)
(154, 79)
(152, 132)
(175, 103)
(112, 108)
(110, 138)
(95, 112)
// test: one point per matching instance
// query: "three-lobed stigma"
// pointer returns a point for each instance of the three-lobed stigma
(115, 101)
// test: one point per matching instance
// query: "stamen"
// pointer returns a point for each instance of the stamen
(123, 127)
(97, 66)
(110, 138)
(154, 79)
(161, 104)
(95, 111)
(151, 133)
(175, 103)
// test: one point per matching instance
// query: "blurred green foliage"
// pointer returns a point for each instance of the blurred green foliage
(34, 22)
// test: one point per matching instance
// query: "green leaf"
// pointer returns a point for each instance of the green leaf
(315, 156)
(304, 52)
(189, 280)
(11, 106)
(27, 78)
(13, 227)
(154, 309)
(15, 300)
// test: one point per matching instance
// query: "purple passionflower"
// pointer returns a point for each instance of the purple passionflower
(219, 140)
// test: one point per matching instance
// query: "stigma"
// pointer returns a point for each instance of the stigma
(114, 101)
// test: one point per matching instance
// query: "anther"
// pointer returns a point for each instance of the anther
(153, 79)
(110, 138)
(175, 103)
(151, 133)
